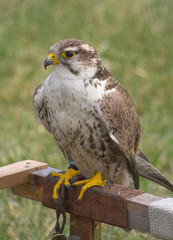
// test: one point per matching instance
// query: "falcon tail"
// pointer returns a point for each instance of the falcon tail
(146, 170)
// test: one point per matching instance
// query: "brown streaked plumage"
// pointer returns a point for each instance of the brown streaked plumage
(91, 116)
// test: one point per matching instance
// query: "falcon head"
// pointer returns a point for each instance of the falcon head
(75, 57)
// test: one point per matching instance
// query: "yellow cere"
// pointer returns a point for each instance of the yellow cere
(54, 58)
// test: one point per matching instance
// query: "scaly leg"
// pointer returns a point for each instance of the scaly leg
(97, 180)
(64, 178)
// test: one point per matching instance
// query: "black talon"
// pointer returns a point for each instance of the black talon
(77, 202)
(57, 202)
(73, 184)
(108, 183)
(69, 187)
(49, 175)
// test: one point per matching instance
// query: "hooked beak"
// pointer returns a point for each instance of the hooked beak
(50, 60)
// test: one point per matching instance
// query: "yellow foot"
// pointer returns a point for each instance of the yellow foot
(97, 180)
(64, 178)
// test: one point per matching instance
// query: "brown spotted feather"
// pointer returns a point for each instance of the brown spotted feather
(120, 114)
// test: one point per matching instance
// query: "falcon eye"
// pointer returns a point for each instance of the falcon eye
(68, 54)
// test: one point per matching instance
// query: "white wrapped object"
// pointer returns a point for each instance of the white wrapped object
(161, 218)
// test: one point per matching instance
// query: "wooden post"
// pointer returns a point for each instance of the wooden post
(81, 226)
(87, 228)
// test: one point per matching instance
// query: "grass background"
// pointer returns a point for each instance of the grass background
(134, 39)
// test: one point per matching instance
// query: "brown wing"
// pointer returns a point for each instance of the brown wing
(120, 115)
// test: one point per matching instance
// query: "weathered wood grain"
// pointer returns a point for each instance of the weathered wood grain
(138, 211)
(118, 206)
(86, 228)
(18, 173)
(81, 226)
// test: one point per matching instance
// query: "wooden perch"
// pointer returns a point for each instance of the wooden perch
(119, 206)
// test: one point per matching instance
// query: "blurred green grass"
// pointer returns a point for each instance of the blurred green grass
(134, 39)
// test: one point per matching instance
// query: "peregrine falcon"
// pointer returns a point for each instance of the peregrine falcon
(93, 120)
